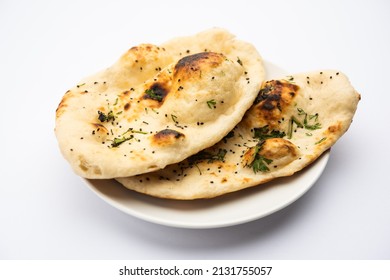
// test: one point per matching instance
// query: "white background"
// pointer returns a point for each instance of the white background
(47, 212)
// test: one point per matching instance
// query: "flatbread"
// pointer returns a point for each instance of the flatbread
(158, 105)
(291, 123)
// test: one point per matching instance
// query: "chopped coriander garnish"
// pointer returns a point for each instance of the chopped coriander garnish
(290, 79)
(264, 132)
(211, 103)
(307, 122)
(106, 118)
(313, 127)
(134, 131)
(315, 117)
(117, 141)
(259, 162)
(174, 118)
(296, 121)
(152, 95)
(320, 141)
(204, 155)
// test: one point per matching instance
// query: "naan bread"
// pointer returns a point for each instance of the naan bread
(158, 105)
(291, 123)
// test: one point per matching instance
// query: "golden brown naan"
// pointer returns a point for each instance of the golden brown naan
(158, 105)
(291, 123)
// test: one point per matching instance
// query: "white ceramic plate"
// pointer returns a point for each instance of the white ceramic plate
(227, 210)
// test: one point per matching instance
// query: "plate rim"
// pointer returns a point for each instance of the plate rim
(320, 164)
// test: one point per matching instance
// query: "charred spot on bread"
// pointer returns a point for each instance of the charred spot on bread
(157, 91)
(166, 137)
(186, 66)
(272, 100)
(61, 106)
(276, 92)
(127, 106)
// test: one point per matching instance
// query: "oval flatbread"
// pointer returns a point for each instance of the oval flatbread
(158, 105)
(291, 123)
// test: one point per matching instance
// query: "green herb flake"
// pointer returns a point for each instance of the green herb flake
(106, 118)
(174, 119)
(130, 130)
(211, 104)
(259, 163)
(239, 61)
(263, 133)
(152, 95)
(210, 157)
(120, 140)
(320, 141)
(290, 79)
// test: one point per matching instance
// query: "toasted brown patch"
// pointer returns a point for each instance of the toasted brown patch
(99, 130)
(271, 101)
(276, 148)
(156, 92)
(334, 129)
(191, 65)
(166, 137)
(62, 105)
(141, 51)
